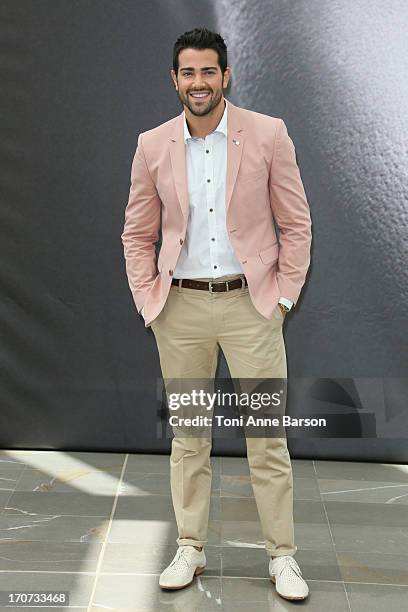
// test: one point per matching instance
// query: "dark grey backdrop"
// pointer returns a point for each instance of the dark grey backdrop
(80, 81)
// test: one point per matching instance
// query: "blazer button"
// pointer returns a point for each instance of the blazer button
(171, 272)
(181, 241)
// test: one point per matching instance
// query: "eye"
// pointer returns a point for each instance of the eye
(211, 72)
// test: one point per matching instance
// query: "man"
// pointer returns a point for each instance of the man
(218, 175)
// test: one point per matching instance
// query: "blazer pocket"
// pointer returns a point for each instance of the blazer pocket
(270, 254)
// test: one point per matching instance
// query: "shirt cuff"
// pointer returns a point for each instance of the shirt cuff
(142, 311)
(286, 302)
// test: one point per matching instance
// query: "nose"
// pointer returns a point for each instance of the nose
(199, 84)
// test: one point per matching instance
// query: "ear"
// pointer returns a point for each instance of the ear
(174, 78)
(226, 77)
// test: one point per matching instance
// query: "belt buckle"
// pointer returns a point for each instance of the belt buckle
(211, 283)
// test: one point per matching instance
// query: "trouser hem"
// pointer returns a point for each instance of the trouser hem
(280, 553)
(190, 542)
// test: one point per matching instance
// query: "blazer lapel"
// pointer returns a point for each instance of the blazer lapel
(179, 164)
(235, 143)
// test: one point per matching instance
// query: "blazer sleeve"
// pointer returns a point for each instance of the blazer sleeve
(141, 228)
(292, 214)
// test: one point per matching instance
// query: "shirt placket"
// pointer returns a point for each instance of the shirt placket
(210, 198)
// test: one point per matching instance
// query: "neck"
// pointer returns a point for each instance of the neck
(200, 127)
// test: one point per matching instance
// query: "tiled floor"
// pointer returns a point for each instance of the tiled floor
(101, 526)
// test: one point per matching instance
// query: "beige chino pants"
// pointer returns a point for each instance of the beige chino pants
(189, 330)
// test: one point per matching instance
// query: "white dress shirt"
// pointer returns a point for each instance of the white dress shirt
(207, 249)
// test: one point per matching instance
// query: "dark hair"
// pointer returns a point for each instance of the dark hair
(201, 38)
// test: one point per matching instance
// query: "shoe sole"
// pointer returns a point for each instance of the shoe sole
(198, 571)
(285, 596)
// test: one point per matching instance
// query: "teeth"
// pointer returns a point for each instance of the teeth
(201, 95)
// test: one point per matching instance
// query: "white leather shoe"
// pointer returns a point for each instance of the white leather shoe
(285, 573)
(187, 563)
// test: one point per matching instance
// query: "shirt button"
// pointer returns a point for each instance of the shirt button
(207, 151)
(211, 209)
(212, 238)
(208, 180)
(215, 266)
(171, 272)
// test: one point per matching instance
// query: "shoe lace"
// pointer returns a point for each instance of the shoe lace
(181, 558)
(287, 562)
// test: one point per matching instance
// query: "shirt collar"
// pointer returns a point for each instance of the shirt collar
(221, 127)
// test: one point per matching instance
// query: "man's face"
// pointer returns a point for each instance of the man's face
(199, 71)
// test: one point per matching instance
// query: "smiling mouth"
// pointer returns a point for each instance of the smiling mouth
(200, 95)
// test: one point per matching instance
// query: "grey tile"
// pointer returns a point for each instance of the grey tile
(247, 589)
(46, 504)
(158, 464)
(149, 533)
(79, 586)
(363, 471)
(128, 558)
(236, 466)
(368, 492)
(236, 485)
(377, 598)
(244, 562)
(242, 534)
(41, 609)
(323, 596)
(52, 460)
(143, 593)
(86, 479)
(303, 468)
(216, 465)
(249, 534)
(9, 458)
(10, 473)
(318, 602)
(53, 528)
(371, 538)
(313, 537)
(254, 563)
(371, 567)
(4, 498)
(241, 486)
(153, 464)
(154, 508)
(238, 509)
(244, 509)
(254, 606)
(318, 565)
(354, 513)
(306, 488)
(136, 483)
(19, 555)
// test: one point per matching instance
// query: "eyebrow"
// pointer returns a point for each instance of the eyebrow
(206, 68)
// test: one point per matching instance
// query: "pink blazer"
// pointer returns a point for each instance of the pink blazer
(263, 181)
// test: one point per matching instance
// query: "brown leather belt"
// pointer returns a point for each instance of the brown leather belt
(212, 286)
